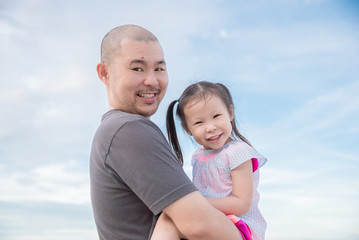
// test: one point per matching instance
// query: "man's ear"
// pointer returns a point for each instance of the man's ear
(102, 72)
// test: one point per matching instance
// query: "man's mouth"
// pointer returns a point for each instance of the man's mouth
(146, 95)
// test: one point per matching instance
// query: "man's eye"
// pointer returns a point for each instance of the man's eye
(159, 69)
(137, 69)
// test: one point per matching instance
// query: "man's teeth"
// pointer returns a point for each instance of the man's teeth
(147, 95)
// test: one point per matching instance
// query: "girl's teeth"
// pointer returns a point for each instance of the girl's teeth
(213, 138)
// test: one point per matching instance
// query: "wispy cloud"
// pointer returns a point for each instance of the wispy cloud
(61, 183)
(292, 67)
(311, 198)
(323, 112)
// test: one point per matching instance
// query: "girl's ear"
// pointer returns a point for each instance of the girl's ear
(186, 129)
(102, 72)
(231, 112)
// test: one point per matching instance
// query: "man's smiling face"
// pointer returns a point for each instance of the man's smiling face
(137, 77)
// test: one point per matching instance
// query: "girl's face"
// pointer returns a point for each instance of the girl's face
(209, 122)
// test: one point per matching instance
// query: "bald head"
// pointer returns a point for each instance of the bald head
(111, 43)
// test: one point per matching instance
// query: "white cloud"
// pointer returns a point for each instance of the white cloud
(7, 29)
(223, 33)
(324, 112)
(70, 78)
(298, 57)
(61, 183)
(52, 101)
(314, 200)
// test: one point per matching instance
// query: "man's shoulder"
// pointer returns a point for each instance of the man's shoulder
(115, 120)
(116, 116)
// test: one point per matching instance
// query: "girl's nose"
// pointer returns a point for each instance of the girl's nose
(211, 127)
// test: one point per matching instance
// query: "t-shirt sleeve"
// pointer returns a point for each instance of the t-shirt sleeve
(142, 158)
(241, 152)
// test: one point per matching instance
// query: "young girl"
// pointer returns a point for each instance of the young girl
(226, 166)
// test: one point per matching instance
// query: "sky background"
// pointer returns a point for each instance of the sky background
(292, 67)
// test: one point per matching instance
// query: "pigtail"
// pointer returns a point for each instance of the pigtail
(172, 133)
(235, 131)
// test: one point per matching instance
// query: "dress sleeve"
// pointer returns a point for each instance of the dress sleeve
(141, 157)
(241, 152)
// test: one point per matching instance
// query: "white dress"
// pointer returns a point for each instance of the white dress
(211, 175)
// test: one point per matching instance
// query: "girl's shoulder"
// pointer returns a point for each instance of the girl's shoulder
(238, 151)
(237, 145)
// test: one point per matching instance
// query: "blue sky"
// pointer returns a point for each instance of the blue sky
(292, 67)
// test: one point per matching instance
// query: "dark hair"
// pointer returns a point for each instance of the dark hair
(200, 91)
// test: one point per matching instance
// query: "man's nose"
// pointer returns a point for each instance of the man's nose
(151, 79)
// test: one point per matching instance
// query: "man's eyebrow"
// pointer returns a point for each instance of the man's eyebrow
(143, 62)
(138, 61)
(161, 62)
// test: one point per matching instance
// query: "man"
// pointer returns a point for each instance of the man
(134, 175)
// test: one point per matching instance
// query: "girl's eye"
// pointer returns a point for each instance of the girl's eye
(137, 69)
(197, 123)
(217, 115)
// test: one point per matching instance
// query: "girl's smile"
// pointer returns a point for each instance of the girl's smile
(209, 121)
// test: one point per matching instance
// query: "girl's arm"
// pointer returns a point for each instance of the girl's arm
(242, 194)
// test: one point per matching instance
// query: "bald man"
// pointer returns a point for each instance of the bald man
(134, 174)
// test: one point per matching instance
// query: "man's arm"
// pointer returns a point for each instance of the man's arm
(196, 219)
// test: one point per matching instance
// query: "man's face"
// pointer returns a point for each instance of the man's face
(137, 77)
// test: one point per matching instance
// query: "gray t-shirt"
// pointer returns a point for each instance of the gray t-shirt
(134, 176)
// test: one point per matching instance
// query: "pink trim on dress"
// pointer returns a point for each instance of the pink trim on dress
(255, 164)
